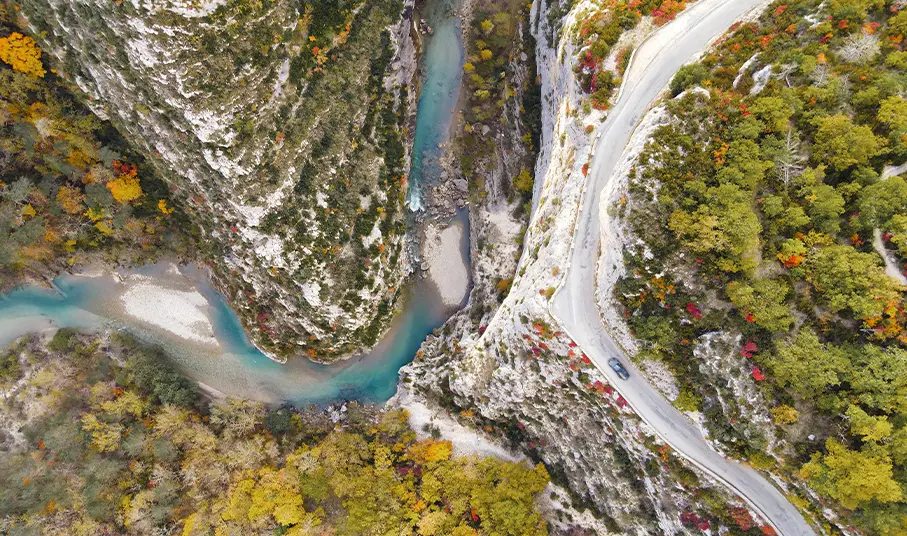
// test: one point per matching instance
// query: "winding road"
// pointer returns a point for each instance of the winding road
(574, 304)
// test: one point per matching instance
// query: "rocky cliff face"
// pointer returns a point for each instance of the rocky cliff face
(280, 124)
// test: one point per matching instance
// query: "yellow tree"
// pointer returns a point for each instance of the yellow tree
(21, 52)
(851, 477)
(104, 437)
(125, 188)
(429, 451)
(274, 496)
(128, 403)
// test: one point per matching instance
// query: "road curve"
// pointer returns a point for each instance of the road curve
(574, 304)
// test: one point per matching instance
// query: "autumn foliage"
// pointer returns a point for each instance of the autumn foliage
(125, 187)
(22, 54)
(64, 193)
(776, 199)
(157, 458)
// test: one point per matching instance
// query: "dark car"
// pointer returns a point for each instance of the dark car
(619, 368)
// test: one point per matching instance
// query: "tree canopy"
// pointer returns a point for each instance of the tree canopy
(135, 450)
(769, 224)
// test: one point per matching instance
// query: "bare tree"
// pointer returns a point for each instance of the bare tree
(860, 48)
(789, 162)
(786, 70)
(820, 74)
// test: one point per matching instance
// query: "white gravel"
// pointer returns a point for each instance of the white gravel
(446, 268)
(182, 313)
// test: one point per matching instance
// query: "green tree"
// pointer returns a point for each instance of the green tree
(897, 446)
(896, 59)
(851, 477)
(745, 166)
(893, 112)
(687, 77)
(688, 401)
(774, 111)
(807, 365)
(869, 427)
(824, 206)
(523, 182)
(886, 519)
(879, 378)
(897, 226)
(879, 202)
(842, 144)
(850, 9)
(847, 279)
(897, 25)
(765, 300)
(726, 225)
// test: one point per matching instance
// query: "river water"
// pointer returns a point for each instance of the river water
(443, 73)
(237, 368)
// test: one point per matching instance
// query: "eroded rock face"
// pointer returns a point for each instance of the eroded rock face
(280, 126)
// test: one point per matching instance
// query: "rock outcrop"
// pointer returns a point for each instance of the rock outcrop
(281, 127)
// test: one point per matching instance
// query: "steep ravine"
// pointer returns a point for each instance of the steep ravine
(282, 128)
(510, 371)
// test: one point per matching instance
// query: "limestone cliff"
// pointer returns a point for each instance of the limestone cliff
(281, 126)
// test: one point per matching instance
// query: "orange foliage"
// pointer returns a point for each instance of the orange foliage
(51, 236)
(721, 153)
(70, 199)
(890, 325)
(667, 11)
(162, 206)
(792, 261)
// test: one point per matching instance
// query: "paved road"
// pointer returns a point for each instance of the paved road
(574, 304)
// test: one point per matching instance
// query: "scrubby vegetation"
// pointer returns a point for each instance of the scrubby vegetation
(134, 449)
(618, 492)
(353, 128)
(766, 203)
(357, 152)
(496, 142)
(503, 100)
(598, 32)
(70, 189)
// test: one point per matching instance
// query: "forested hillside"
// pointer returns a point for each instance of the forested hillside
(70, 189)
(772, 209)
(113, 441)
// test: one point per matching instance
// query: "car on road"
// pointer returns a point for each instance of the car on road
(619, 368)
